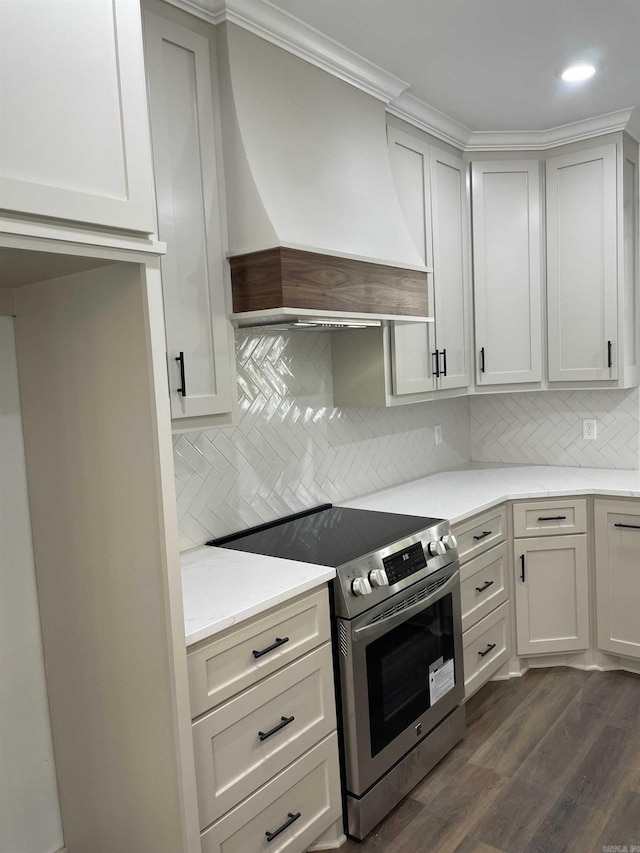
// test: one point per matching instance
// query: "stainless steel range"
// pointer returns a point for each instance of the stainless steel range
(399, 642)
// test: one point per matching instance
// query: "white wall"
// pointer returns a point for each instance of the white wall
(29, 811)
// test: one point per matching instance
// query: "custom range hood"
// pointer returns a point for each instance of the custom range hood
(316, 234)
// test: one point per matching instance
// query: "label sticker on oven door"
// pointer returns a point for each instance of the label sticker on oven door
(441, 679)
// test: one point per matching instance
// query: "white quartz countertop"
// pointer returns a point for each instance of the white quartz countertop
(221, 587)
(456, 495)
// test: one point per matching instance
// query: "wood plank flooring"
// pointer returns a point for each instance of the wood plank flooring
(551, 762)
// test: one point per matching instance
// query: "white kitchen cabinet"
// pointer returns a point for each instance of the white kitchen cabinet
(592, 244)
(431, 190)
(484, 592)
(263, 703)
(551, 594)
(507, 271)
(200, 364)
(74, 132)
(617, 548)
(408, 362)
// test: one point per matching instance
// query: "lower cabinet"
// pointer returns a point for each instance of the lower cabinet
(617, 553)
(484, 594)
(266, 756)
(551, 594)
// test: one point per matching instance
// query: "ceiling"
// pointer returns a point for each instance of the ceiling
(493, 65)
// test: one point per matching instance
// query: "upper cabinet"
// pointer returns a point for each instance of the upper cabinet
(592, 230)
(74, 132)
(199, 337)
(506, 219)
(408, 362)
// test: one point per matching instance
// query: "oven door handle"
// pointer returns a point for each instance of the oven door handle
(381, 626)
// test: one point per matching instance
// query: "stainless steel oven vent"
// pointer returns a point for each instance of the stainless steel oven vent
(342, 640)
(411, 600)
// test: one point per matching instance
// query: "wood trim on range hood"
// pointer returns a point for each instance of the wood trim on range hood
(282, 278)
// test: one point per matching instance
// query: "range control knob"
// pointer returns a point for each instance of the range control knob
(450, 541)
(378, 577)
(437, 549)
(361, 586)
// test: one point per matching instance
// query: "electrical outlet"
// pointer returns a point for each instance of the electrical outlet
(589, 429)
(438, 433)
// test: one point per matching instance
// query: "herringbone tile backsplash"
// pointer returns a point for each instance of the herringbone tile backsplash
(546, 428)
(292, 450)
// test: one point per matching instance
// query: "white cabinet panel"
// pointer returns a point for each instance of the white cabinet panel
(507, 276)
(581, 265)
(551, 594)
(74, 132)
(182, 126)
(617, 526)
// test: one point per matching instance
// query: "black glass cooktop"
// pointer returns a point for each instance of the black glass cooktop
(328, 535)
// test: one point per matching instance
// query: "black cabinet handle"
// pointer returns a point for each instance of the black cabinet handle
(280, 641)
(284, 721)
(443, 353)
(609, 354)
(435, 364)
(522, 569)
(483, 535)
(486, 585)
(481, 359)
(552, 518)
(285, 825)
(183, 385)
(489, 648)
(628, 526)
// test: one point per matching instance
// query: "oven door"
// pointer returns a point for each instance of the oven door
(401, 674)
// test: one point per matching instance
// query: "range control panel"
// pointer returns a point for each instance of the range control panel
(404, 563)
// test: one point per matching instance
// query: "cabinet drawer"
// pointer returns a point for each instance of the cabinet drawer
(230, 664)
(549, 518)
(484, 584)
(234, 757)
(481, 533)
(486, 647)
(309, 788)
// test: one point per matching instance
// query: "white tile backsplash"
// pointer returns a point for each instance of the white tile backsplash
(545, 428)
(292, 450)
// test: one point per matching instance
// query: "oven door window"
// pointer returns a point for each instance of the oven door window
(398, 668)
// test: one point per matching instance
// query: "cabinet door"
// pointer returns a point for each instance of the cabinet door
(617, 527)
(450, 271)
(506, 270)
(581, 265)
(412, 347)
(551, 594)
(74, 132)
(182, 130)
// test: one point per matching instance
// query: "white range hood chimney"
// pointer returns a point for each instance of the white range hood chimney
(313, 216)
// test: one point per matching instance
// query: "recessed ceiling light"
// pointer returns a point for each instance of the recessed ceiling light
(579, 71)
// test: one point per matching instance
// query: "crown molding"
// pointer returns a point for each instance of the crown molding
(542, 140)
(427, 118)
(289, 33)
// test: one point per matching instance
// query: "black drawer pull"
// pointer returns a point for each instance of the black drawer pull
(435, 364)
(285, 825)
(487, 584)
(489, 648)
(280, 641)
(522, 569)
(284, 721)
(483, 535)
(628, 526)
(552, 518)
(182, 390)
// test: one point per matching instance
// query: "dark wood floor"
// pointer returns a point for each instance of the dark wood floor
(551, 762)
